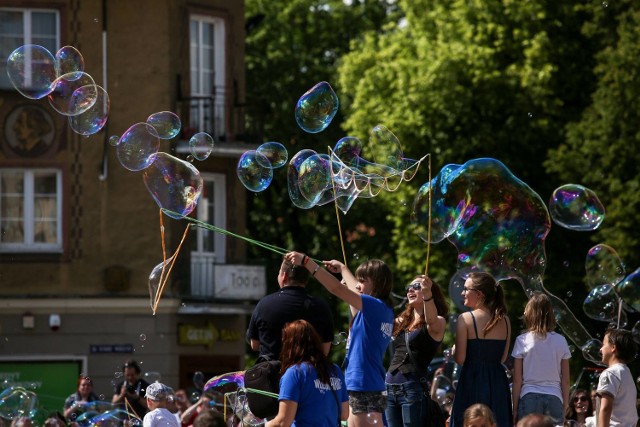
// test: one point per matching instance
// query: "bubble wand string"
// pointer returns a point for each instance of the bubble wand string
(335, 203)
(426, 267)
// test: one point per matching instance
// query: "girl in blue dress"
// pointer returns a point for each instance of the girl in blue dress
(482, 346)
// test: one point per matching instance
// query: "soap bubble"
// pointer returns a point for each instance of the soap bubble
(576, 207)
(602, 304)
(166, 124)
(252, 174)
(201, 145)
(314, 177)
(17, 401)
(114, 140)
(175, 185)
(373, 418)
(92, 120)
(224, 379)
(73, 93)
(339, 338)
(316, 108)
(68, 60)
(138, 147)
(275, 152)
(152, 376)
(591, 351)
(629, 290)
(31, 71)
(603, 266)
(156, 277)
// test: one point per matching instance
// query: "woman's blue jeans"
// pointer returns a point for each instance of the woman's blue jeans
(538, 403)
(406, 405)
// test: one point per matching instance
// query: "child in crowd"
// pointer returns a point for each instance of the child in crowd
(478, 415)
(158, 415)
(367, 293)
(541, 364)
(616, 388)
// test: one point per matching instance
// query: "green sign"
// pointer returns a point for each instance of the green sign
(51, 381)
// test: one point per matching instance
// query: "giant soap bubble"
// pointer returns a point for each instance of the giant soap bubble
(31, 70)
(92, 120)
(138, 146)
(251, 172)
(629, 290)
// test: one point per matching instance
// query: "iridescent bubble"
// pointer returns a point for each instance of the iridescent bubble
(68, 60)
(166, 123)
(314, 177)
(339, 338)
(73, 93)
(224, 379)
(386, 147)
(629, 290)
(602, 304)
(275, 152)
(603, 266)
(117, 374)
(591, 351)
(190, 158)
(497, 222)
(143, 337)
(293, 172)
(17, 401)
(92, 120)
(31, 70)
(316, 108)
(252, 174)
(138, 147)
(201, 145)
(576, 207)
(175, 185)
(198, 380)
(114, 140)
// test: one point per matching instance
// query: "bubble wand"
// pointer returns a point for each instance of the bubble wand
(335, 204)
(426, 266)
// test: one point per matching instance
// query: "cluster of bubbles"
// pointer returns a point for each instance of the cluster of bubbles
(499, 224)
(342, 174)
(36, 73)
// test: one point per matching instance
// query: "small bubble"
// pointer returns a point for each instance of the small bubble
(530, 115)
(142, 346)
(101, 397)
(372, 418)
(95, 20)
(143, 337)
(565, 264)
(569, 294)
(356, 256)
(190, 158)
(113, 140)
(605, 4)
(117, 374)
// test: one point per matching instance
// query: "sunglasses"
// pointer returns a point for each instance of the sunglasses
(581, 399)
(415, 286)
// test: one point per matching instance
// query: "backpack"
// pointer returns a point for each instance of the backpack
(264, 376)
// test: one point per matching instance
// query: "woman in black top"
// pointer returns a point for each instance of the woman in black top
(422, 324)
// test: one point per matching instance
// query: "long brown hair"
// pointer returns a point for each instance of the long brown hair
(301, 343)
(381, 278)
(571, 413)
(538, 315)
(493, 297)
(404, 319)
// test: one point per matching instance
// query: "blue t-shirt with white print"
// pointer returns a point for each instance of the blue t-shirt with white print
(317, 405)
(368, 340)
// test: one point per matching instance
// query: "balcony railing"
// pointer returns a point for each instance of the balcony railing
(212, 281)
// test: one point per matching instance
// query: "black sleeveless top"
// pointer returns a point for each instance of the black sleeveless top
(423, 347)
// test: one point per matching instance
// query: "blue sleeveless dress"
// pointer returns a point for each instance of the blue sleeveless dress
(483, 380)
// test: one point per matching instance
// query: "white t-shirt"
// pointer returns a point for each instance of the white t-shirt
(541, 364)
(617, 381)
(160, 417)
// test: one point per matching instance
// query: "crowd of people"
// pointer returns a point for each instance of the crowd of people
(400, 394)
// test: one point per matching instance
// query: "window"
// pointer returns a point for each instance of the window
(26, 26)
(207, 75)
(30, 210)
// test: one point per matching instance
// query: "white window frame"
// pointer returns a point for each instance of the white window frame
(219, 203)
(219, 72)
(28, 31)
(29, 245)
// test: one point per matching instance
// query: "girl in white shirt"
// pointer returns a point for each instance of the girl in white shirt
(541, 366)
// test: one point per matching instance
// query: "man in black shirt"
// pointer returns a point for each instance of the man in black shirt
(290, 303)
(132, 390)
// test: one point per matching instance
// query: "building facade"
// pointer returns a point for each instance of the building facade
(80, 234)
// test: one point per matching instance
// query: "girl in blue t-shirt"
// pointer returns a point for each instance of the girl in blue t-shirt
(367, 294)
(312, 389)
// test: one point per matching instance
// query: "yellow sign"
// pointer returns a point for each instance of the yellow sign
(205, 335)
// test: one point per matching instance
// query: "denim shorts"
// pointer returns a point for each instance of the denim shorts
(539, 403)
(367, 401)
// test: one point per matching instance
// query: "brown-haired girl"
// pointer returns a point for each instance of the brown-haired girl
(541, 364)
(312, 389)
(367, 294)
(417, 334)
(482, 346)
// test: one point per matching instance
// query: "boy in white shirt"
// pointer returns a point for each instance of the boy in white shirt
(616, 391)
(159, 415)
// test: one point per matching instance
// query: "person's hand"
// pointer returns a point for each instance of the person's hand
(426, 284)
(294, 257)
(333, 266)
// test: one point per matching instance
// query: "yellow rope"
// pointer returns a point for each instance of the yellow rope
(426, 267)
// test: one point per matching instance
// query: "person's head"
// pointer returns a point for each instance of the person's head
(538, 314)
(131, 371)
(21, 422)
(414, 297)
(478, 415)
(482, 290)
(181, 399)
(55, 419)
(207, 402)
(301, 343)
(535, 420)
(618, 346)
(291, 274)
(157, 395)
(209, 419)
(374, 278)
(85, 386)
(580, 405)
